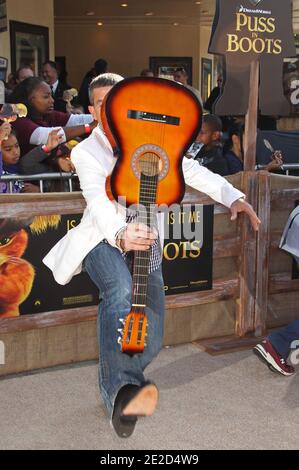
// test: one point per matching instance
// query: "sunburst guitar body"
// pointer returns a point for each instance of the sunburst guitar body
(151, 122)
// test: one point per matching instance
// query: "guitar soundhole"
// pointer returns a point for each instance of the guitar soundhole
(149, 164)
(151, 160)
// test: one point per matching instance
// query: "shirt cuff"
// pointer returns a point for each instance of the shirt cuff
(79, 120)
(122, 229)
(40, 135)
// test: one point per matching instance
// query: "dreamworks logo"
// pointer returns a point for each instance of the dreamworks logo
(294, 356)
(2, 353)
(242, 9)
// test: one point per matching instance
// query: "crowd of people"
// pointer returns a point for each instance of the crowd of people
(224, 156)
(56, 115)
(42, 141)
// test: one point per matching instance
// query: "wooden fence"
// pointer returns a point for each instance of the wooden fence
(252, 285)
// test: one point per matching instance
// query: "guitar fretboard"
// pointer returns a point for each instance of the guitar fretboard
(146, 215)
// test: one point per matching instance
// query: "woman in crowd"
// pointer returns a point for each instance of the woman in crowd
(41, 119)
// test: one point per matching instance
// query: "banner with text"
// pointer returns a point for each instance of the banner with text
(27, 285)
(248, 30)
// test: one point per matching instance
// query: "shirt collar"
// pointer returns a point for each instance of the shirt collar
(54, 86)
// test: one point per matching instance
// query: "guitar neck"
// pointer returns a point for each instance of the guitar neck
(146, 215)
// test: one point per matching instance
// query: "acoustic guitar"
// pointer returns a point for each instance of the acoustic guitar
(151, 122)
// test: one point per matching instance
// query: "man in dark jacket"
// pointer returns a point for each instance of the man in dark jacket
(209, 104)
(100, 66)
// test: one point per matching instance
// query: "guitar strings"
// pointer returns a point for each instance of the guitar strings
(148, 187)
(148, 197)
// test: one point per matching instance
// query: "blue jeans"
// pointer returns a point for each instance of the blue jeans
(282, 339)
(109, 271)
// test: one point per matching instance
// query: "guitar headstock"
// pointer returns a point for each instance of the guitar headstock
(133, 333)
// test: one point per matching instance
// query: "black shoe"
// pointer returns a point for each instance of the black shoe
(124, 425)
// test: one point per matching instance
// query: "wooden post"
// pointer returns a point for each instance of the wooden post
(246, 309)
(251, 119)
(245, 312)
(263, 246)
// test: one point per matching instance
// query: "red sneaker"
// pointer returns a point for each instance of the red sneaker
(266, 352)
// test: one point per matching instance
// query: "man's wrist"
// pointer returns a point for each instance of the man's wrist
(119, 244)
(46, 149)
(119, 238)
(241, 199)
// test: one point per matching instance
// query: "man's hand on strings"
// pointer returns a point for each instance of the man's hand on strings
(136, 237)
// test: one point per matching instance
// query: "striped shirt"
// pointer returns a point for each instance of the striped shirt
(156, 255)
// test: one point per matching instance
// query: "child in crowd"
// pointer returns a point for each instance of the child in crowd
(5, 130)
(41, 119)
(211, 153)
(38, 160)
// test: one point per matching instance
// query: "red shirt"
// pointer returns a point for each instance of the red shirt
(24, 127)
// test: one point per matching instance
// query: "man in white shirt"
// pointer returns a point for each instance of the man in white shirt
(101, 243)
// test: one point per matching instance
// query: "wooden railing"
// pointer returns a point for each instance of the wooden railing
(245, 283)
(225, 246)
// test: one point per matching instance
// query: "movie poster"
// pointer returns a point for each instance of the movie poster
(188, 249)
(27, 286)
(246, 31)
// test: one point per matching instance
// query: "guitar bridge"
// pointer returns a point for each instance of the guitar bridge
(153, 117)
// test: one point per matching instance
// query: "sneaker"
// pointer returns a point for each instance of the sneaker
(266, 352)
